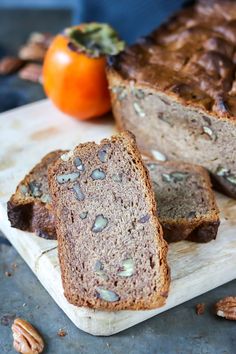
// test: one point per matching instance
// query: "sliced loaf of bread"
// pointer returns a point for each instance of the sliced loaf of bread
(187, 207)
(175, 89)
(29, 208)
(111, 247)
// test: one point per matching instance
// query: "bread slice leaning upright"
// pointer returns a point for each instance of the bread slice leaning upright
(111, 247)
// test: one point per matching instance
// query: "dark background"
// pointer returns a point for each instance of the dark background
(131, 18)
(178, 331)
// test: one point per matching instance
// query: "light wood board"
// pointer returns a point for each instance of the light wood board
(26, 134)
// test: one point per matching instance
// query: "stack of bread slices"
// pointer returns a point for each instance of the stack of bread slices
(108, 208)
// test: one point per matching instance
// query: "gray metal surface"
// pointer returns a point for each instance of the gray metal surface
(178, 331)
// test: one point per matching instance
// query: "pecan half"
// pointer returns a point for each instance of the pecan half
(31, 72)
(32, 51)
(26, 339)
(10, 64)
(226, 308)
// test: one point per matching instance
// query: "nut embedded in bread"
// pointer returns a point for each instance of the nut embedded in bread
(176, 90)
(29, 208)
(187, 207)
(111, 248)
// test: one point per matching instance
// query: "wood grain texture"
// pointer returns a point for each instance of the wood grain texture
(30, 132)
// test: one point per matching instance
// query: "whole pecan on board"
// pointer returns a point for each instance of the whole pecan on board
(26, 339)
(226, 308)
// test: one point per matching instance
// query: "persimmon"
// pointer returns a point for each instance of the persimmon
(74, 76)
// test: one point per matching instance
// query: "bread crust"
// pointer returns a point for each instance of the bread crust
(161, 61)
(158, 298)
(32, 217)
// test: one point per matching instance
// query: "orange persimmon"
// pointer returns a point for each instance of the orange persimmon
(74, 75)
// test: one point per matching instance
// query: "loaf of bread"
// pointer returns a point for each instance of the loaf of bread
(110, 243)
(187, 208)
(29, 208)
(176, 89)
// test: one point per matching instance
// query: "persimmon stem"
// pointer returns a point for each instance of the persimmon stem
(95, 39)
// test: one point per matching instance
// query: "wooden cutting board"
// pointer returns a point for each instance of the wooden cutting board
(26, 134)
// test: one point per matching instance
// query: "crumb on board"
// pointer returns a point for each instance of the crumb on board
(61, 333)
(200, 309)
(14, 265)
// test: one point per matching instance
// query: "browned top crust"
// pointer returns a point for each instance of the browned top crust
(192, 57)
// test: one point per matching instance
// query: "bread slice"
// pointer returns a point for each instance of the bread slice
(28, 212)
(111, 247)
(187, 207)
(175, 90)
(29, 208)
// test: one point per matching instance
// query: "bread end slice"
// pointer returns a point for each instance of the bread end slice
(29, 208)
